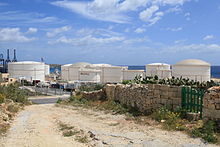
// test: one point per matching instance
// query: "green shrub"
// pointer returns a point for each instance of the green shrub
(59, 100)
(14, 93)
(2, 98)
(92, 87)
(126, 82)
(206, 132)
(13, 108)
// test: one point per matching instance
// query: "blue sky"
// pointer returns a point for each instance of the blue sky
(119, 32)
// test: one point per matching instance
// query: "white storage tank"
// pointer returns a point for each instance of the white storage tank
(90, 75)
(65, 72)
(193, 69)
(112, 74)
(162, 70)
(28, 70)
(131, 74)
(47, 69)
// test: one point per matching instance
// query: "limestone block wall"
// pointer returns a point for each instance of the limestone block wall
(211, 103)
(94, 95)
(146, 97)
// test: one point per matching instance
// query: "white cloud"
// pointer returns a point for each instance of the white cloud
(180, 41)
(175, 29)
(98, 10)
(140, 30)
(116, 10)
(87, 40)
(198, 48)
(27, 18)
(13, 35)
(147, 14)
(58, 31)
(187, 16)
(136, 40)
(208, 37)
(32, 30)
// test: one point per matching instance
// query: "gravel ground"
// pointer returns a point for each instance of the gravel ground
(37, 126)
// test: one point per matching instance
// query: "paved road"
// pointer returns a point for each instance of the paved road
(47, 100)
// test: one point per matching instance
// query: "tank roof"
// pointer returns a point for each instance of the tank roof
(158, 64)
(81, 64)
(193, 62)
(26, 62)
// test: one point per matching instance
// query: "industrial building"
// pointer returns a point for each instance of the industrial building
(28, 70)
(98, 73)
(193, 69)
(162, 70)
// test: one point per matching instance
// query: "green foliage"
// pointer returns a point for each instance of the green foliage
(92, 87)
(13, 108)
(14, 93)
(206, 132)
(126, 82)
(2, 98)
(59, 100)
(174, 82)
(171, 119)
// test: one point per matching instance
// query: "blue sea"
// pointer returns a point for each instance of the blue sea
(215, 70)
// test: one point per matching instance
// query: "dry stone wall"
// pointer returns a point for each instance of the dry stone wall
(211, 103)
(94, 95)
(147, 97)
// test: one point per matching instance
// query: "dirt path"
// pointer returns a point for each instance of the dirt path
(37, 126)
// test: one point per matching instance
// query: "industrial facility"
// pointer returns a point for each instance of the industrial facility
(24, 70)
(98, 73)
(193, 69)
(31, 71)
(162, 70)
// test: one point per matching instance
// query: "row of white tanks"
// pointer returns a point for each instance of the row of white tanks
(98, 73)
(193, 69)
(28, 70)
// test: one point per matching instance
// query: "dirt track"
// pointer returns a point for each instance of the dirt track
(37, 126)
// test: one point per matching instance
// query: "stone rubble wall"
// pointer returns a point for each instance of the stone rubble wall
(94, 95)
(145, 97)
(211, 103)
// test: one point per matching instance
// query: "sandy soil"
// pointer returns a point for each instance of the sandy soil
(37, 126)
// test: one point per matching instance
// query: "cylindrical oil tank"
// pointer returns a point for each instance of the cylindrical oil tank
(131, 74)
(193, 69)
(28, 70)
(162, 70)
(47, 69)
(90, 75)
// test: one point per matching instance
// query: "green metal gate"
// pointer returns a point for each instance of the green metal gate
(192, 100)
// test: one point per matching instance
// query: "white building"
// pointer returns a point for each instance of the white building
(193, 69)
(28, 70)
(162, 70)
(100, 73)
(131, 74)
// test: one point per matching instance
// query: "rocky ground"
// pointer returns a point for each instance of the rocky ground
(39, 126)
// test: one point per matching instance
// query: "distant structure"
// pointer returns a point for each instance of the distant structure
(97, 73)
(28, 70)
(4, 62)
(7, 61)
(193, 69)
(15, 58)
(162, 70)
